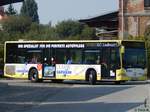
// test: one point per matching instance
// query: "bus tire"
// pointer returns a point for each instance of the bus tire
(92, 77)
(33, 75)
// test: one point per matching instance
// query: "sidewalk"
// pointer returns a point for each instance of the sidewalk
(148, 98)
(146, 104)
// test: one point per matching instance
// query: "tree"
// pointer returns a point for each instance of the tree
(30, 9)
(68, 28)
(16, 24)
(88, 33)
(73, 30)
(11, 10)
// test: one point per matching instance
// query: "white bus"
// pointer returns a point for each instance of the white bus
(89, 60)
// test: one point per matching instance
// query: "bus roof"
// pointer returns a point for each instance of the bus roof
(72, 41)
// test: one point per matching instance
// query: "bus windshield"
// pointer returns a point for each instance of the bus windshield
(134, 58)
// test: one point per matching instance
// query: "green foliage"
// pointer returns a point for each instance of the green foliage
(87, 33)
(16, 24)
(11, 10)
(30, 9)
(136, 37)
(68, 28)
(20, 27)
(73, 30)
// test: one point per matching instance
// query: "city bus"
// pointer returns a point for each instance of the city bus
(88, 60)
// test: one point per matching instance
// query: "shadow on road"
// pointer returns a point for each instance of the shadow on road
(20, 98)
(88, 107)
(108, 82)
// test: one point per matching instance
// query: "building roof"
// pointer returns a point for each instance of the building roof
(105, 20)
(6, 2)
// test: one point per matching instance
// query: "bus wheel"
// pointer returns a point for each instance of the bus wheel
(92, 77)
(33, 75)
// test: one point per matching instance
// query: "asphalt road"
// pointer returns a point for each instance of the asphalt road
(23, 96)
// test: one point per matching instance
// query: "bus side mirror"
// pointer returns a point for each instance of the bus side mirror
(122, 50)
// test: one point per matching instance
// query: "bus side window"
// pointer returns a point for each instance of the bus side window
(69, 60)
(53, 61)
(98, 60)
(34, 59)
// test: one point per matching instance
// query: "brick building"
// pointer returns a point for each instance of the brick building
(130, 20)
(134, 17)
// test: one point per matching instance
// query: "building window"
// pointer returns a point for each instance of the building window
(146, 3)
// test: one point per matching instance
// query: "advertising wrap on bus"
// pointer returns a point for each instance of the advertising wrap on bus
(20, 70)
(136, 73)
(75, 71)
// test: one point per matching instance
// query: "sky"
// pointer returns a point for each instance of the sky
(55, 11)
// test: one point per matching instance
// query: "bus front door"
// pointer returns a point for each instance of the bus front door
(105, 70)
(107, 62)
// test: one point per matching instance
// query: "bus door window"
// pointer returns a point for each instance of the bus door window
(105, 62)
(59, 56)
(106, 56)
(47, 57)
(54, 56)
(115, 60)
(110, 61)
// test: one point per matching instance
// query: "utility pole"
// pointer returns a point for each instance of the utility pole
(122, 19)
